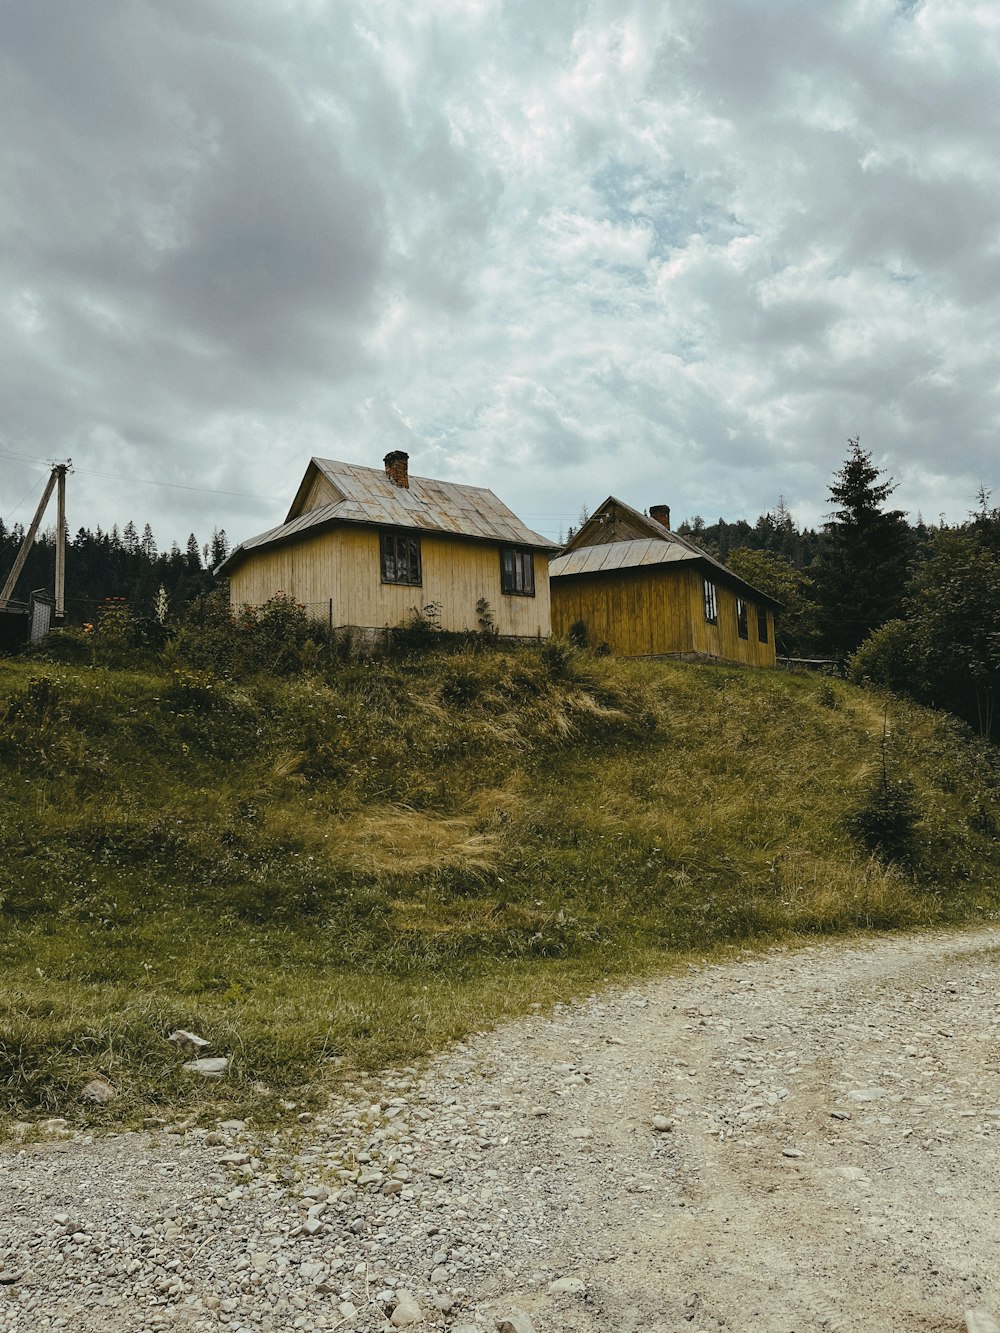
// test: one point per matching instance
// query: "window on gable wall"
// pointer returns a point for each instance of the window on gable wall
(742, 627)
(517, 571)
(400, 552)
(761, 625)
(711, 605)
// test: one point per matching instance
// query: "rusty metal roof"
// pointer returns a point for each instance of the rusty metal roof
(367, 496)
(644, 552)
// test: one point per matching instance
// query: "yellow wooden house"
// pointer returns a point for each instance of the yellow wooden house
(366, 548)
(633, 584)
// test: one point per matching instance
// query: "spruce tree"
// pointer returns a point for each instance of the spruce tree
(861, 568)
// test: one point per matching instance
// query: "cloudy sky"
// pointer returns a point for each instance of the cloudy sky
(677, 251)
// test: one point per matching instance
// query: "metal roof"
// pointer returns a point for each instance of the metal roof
(369, 497)
(621, 555)
(643, 552)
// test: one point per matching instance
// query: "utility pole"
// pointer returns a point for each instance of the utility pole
(59, 471)
(58, 474)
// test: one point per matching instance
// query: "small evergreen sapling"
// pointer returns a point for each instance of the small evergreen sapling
(884, 822)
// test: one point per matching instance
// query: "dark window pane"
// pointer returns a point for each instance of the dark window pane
(711, 609)
(761, 625)
(517, 571)
(400, 558)
(742, 628)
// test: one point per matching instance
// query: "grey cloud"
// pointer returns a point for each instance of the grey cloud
(554, 249)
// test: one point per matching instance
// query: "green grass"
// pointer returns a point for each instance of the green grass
(349, 869)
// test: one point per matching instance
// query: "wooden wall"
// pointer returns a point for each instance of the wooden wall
(722, 639)
(343, 563)
(320, 493)
(634, 611)
(657, 609)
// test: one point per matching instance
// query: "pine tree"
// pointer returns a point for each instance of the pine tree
(861, 569)
(218, 548)
(193, 555)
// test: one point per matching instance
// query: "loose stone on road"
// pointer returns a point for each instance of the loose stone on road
(794, 1140)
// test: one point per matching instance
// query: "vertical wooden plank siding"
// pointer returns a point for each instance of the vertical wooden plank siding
(319, 493)
(635, 612)
(657, 609)
(722, 639)
(344, 564)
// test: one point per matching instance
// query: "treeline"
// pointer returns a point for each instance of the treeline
(123, 564)
(912, 607)
(907, 606)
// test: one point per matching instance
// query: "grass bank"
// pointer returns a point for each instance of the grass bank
(350, 867)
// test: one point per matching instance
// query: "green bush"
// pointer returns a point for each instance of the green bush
(276, 638)
(884, 821)
(885, 658)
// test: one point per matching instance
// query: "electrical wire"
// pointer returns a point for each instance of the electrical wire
(140, 481)
(20, 502)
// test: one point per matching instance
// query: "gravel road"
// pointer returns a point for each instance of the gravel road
(790, 1141)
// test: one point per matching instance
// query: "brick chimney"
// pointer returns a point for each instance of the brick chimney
(661, 513)
(397, 468)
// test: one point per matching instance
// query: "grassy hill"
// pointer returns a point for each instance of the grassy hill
(352, 865)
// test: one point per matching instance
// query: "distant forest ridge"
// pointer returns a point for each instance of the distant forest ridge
(117, 564)
(128, 564)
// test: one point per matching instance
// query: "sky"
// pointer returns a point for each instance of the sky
(676, 251)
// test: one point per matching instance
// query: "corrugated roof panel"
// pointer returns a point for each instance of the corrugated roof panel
(641, 551)
(613, 555)
(644, 553)
(428, 505)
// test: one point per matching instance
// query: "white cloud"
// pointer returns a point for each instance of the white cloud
(676, 251)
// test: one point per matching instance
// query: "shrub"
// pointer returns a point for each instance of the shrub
(885, 820)
(269, 638)
(885, 657)
(558, 657)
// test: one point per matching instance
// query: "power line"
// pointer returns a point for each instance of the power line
(201, 490)
(19, 504)
(140, 481)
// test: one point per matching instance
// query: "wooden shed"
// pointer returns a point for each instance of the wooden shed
(642, 589)
(366, 548)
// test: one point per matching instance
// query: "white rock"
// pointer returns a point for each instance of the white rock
(580, 1132)
(211, 1066)
(516, 1323)
(188, 1042)
(980, 1321)
(661, 1124)
(407, 1310)
(567, 1286)
(866, 1094)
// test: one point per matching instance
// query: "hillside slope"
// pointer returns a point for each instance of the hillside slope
(355, 865)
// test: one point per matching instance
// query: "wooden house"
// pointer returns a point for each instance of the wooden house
(642, 589)
(366, 548)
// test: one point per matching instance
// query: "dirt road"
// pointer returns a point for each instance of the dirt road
(790, 1141)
